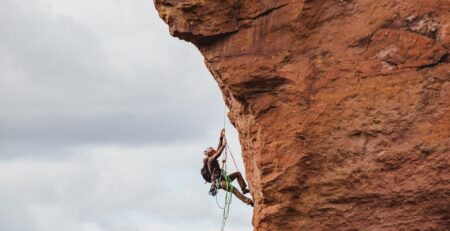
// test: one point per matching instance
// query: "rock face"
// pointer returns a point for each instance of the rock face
(342, 106)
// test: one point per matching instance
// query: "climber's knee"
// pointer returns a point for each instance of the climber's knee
(234, 175)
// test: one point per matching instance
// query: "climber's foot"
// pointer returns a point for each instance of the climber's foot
(245, 191)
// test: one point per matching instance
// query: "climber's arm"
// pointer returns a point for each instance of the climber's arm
(222, 135)
(208, 164)
(218, 152)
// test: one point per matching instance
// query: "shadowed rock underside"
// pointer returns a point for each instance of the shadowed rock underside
(342, 106)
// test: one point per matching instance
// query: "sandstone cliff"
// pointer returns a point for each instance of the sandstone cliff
(342, 106)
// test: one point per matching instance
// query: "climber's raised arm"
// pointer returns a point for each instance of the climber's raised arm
(219, 151)
(222, 135)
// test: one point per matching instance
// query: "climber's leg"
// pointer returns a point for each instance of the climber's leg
(241, 197)
(225, 186)
(241, 181)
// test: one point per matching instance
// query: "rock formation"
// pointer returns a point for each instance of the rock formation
(342, 106)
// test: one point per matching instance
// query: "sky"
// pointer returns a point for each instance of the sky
(103, 121)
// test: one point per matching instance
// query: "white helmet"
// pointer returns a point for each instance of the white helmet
(207, 150)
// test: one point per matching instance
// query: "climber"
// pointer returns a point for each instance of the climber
(213, 174)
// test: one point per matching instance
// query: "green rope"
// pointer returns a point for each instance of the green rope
(228, 191)
(228, 198)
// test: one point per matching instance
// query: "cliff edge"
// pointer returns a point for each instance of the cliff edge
(342, 106)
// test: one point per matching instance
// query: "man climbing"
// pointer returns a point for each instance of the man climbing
(213, 174)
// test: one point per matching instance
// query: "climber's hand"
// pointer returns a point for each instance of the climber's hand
(222, 133)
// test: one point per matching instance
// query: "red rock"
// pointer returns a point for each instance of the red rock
(342, 106)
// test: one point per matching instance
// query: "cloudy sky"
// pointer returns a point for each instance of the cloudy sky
(103, 119)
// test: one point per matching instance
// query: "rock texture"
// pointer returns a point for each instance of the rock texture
(342, 106)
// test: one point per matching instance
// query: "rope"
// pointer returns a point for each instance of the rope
(228, 189)
(229, 186)
(224, 115)
(226, 146)
(228, 198)
(232, 157)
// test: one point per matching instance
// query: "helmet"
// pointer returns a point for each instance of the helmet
(208, 150)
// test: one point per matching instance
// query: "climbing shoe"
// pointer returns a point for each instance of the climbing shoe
(245, 191)
(213, 190)
(250, 203)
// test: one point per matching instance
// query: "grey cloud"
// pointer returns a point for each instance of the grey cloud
(106, 182)
(103, 120)
(60, 84)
